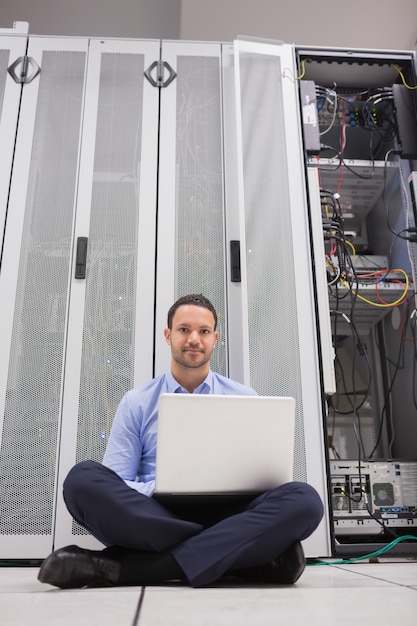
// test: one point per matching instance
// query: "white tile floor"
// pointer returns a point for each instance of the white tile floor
(362, 593)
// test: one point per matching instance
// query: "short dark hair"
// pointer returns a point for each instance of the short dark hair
(197, 299)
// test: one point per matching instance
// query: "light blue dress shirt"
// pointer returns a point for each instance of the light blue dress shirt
(131, 449)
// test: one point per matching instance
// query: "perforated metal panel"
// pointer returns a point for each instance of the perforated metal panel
(110, 301)
(272, 306)
(33, 399)
(199, 236)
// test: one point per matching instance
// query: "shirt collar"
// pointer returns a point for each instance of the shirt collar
(174, 386)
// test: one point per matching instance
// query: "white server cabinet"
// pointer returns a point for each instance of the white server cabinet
(140, 188)
(70, 346)
(34, 289)
(231, 170)
(277, 286)
(110, 314)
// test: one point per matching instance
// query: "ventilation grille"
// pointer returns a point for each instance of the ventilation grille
(109, 318)
(33, 398)
(200, 247)
(273, 323)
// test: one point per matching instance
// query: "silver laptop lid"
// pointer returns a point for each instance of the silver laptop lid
(218, 444)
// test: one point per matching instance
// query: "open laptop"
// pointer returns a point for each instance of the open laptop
(222, 445)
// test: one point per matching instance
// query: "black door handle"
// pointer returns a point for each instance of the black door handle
(81, 257)
(235, 275)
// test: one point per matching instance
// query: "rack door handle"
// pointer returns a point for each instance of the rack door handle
(81, 257)
(235, 273)
(160, 66)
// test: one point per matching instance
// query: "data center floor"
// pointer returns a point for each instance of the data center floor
(384, 592)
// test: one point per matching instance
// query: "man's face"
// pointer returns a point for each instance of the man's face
(192, 337)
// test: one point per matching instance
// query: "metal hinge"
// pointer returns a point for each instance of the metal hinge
(24, 70)
(160, 70)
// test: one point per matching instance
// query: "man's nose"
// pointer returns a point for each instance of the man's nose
(194, 337)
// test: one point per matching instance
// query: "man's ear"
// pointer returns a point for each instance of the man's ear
(167, 335)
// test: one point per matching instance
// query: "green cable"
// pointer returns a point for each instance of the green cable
(368, 556)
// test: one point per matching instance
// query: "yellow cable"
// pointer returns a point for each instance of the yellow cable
(349, 243)
(397, 69)
(379, 304)
(303, 70)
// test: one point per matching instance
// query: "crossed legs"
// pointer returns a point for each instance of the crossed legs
(205, 545)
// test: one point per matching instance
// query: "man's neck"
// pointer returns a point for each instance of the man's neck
(189, 378)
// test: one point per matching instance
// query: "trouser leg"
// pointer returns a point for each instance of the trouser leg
(270, 524)
(118, 515)
(115, 514)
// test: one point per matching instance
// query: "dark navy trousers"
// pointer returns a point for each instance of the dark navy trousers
(206, 540)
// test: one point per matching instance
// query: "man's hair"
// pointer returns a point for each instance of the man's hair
(197, 299)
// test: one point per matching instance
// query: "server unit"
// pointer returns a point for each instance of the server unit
(371, 498)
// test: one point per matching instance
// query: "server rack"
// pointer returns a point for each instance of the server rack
(360, 130)
(159, 177)
(269, 197)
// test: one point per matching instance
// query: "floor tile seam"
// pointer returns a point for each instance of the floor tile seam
(138, 609)
(373, 577)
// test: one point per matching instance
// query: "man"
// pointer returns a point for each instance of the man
(257, 539)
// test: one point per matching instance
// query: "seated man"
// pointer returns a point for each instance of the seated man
(256, 540)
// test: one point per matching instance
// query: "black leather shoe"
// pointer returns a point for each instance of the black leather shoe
(73, 567)
(284, 570)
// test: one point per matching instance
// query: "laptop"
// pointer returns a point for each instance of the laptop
(223, 445)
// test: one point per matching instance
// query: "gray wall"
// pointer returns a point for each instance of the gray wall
(357, 23)
(143, 19)
(385, 24)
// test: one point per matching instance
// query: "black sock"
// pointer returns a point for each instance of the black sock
(145, 568)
